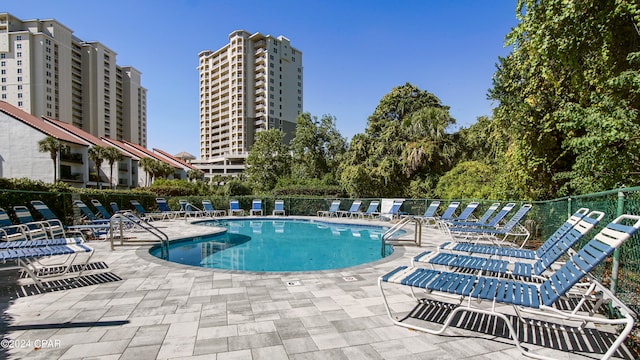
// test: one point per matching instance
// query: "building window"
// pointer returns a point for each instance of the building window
(19, 95)
(4, 96)
(4, 80)
(3, 63)
(19, 63)
(3, 72)
(19, 71)
(19, 78)
(19, 87)
(3, 56)
(19, 103)
(19, 37)
(18, 54)
(18, 46)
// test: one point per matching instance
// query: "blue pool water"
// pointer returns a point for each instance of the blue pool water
(280, 245)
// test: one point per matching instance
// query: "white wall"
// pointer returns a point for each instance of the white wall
(19, 155)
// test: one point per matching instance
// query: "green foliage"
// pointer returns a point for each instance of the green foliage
(405, 141)
(317, 147)
(469, 180)
(237, 187)
(568, 97)
(325, 187)
(268, 160)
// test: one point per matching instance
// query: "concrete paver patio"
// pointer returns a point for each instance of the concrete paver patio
(146, 308)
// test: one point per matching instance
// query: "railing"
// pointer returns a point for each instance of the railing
(118, 223)
(417, 234)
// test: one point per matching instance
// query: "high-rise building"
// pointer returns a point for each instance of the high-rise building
(252, 84)
(47, 71)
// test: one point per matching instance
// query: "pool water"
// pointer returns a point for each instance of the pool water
(280, 246)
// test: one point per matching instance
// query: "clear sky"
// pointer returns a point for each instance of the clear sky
(354, 52)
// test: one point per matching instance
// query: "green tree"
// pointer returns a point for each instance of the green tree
(568, 97)
(268, 160)
(112, 155)
(405, 141)
(317, 148)
(96, 154)
(147, 166)
(469, 180)
(53, 146)
(195, 174)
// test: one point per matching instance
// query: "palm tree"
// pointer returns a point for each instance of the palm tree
(53, 146)
(112, 155)
(195, 175)
(97, 155)
(147, 165)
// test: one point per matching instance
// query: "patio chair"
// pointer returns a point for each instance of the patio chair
(36, 230)
(278, 208)
(9, 231)
(372, 210)
(496, 234)
(466, 213)
(58, 229)
(88, 216)
(256, 207)
(468, 291)
(558, 244)
(43, 261)
(102, 211)
(394, 211)
(333, 209)
(234, 208)
(355, 207)
(486, 220)
(163, 206)
(189, 209)
(208, 209)
(148, 216)
(430, 214)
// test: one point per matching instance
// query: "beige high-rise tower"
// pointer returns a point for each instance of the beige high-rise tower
(47, 71)
(252, 84)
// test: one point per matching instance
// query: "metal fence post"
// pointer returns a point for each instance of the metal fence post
(569, 211)
(616, 253)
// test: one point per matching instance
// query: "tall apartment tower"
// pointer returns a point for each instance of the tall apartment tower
(252, 84)
(46, 71)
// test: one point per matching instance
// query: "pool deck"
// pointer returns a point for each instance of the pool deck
(136, 306)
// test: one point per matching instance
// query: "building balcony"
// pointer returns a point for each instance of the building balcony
(71, 157)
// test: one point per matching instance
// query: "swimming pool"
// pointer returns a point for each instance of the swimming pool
(269, 245)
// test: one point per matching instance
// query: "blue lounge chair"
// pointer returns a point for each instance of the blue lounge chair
(355, 207)
(148, 216)
(466, 213)
(492, 223)
(190, 210)
(234, 208)
(484, 219)
(372, 210)
(9, 231)
(88, 217)
(558, 244)
(278, 208)
(163, 206)
(36, 230)
(256, 207)
(469, 290)
(499, 234)
(210, 211)
(429, 216)
(394, 211)
(44, 259)
(102, 211)
(333, 209)
(58, 229)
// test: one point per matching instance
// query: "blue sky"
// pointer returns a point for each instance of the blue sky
(354, 52)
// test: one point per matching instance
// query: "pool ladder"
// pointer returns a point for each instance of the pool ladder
(417, 234)
(128, 220)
